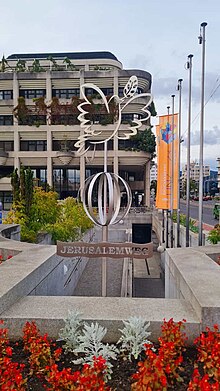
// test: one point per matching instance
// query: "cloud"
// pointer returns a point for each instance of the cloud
(164, 87)
(211, 137)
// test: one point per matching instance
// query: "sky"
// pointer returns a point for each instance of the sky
(156, 36)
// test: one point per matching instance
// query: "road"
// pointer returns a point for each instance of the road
(194, 211)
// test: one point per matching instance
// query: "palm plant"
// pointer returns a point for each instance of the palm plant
(53, 63)
(4, 64)
(20, 66)
(69, 65)
(36, 67)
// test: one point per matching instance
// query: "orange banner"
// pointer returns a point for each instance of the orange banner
(167, 146)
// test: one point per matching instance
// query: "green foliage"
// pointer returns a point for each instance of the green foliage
(214, 235)
(69, 65)
(192, 222)
(39, 211)
(29, 190)
(4, 64)
(193, 186)
(36, 67)
(21, 111)
(15, 182)
(153, 110)
(45, 208)
(20, 66)
(72, 221)
(145, 141)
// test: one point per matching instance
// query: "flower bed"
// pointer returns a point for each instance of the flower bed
(35, 363)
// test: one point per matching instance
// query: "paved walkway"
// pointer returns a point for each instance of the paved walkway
(147, 277)
(90, 280)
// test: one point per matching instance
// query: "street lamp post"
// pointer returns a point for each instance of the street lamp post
(189, 66)
(201, 41)
(179, 88)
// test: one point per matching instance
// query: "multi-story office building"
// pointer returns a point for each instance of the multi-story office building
(153, 172)
(41, 133)
(194, 171)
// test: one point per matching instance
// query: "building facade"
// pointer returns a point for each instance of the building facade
(194, 171)
(153, 172)
(39, 94)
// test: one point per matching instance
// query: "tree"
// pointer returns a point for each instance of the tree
(193, 186)
(69, 64)
(53, 63)
(36, 67)
(145, 141)
(15, 182)
(3, 64)
(20, 66)
(21, 111)
(29, 190)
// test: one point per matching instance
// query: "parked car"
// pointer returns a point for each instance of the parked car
(216, 211)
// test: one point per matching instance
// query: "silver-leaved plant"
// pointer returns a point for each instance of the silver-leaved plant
(71, 331)
(134, 336)
(90, 344)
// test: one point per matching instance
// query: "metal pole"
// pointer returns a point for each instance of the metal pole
(163, 226)
(172, 176)
(201, 41)
(105, 227)
(167, 211)
(189, 66)
(179, 88)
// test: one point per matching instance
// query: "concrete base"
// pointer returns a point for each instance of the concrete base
(49, 312)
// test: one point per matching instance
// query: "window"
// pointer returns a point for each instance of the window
(99, 147)
(6, 199)
(38, 145)
(35, 120)
(121, 91)
(107, 91)
(6, 120)
(32, 94)
(7, 146)
(68, 119)
(6, 94)
(65, 93)
(60, 145)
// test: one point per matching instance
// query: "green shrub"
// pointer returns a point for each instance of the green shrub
(214, 235)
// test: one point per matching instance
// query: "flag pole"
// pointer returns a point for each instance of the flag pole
(179, 88)
(189, 66)
(167, 211)
(201, 41)
(172, 175)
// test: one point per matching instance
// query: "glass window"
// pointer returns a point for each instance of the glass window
(65, 93)
(6, 199)
(107, 91)
(33, 145)
(6, 120)
(6, 94)
(7, 146)
(32, 94)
